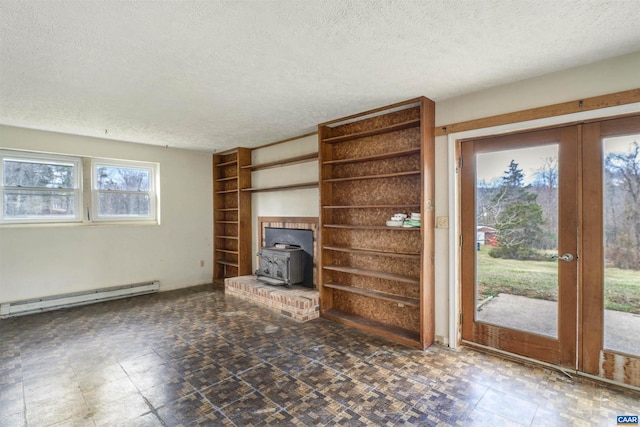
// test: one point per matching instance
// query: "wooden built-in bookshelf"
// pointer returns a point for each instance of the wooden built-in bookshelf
(371, 276)
(231, 214)
(289, 161)
(305, 158)
(283, 187)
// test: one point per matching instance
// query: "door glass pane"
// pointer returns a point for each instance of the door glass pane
(622, 244)
(517, 229)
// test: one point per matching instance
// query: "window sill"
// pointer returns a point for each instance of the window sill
(77, 224)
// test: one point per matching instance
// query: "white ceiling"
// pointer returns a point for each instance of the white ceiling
(210, 75)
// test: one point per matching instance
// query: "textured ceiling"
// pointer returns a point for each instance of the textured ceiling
(210, 75)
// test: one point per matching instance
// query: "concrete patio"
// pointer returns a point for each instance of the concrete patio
(622, 330)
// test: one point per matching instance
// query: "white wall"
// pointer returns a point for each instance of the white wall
(298, 202)
(600, 78)
(42, 260)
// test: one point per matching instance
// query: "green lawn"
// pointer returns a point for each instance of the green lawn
(538, 279)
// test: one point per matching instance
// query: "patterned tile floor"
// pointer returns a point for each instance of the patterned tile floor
(196, 357)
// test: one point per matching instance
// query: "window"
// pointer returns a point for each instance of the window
(39, 188)
(123, 190)
(47, 188)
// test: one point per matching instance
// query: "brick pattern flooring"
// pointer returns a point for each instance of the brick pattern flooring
(196, 357)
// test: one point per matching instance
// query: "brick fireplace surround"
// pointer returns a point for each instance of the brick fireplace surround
(299, 303)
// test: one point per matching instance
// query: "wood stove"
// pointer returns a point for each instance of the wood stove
(280, 241)
(281, 264)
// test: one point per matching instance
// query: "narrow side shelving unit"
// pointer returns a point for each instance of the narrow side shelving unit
(374, 277)
(231, 214)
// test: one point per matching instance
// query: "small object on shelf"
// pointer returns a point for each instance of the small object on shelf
(411, 223)
(397, 220)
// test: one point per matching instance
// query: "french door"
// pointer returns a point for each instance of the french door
(609, 343)
(516, 296)
(550, 223)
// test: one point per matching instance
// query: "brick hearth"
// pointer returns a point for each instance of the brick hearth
(299, 303)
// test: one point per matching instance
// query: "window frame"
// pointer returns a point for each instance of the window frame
(86, 206)
(95, 215)
(35, 157)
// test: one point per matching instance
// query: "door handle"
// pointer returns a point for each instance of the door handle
(564, 257)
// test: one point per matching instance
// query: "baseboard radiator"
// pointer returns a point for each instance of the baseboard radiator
(37, 305)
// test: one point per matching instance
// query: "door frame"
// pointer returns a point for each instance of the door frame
(453, 189)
